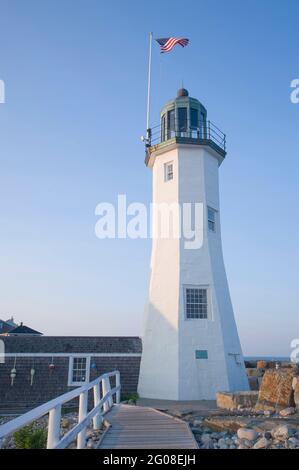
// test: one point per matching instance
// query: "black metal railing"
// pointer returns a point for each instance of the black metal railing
(206, 133)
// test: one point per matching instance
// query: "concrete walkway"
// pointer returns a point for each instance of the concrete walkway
(179, 406)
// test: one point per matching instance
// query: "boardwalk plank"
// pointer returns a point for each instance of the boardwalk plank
(136, 427)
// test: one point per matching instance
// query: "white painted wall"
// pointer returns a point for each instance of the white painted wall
(169, 368)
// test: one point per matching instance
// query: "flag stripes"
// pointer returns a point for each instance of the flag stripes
(167, 44)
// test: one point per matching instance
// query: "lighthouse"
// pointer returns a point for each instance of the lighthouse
(191, 347)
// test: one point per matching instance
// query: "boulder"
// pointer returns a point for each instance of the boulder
(281, 432)
(294, 383)
(296, 394)
(261, 364)
(276, 391)
(254, 372)
(287, 412)
(262, 443)
(231, 401)
(248, 434)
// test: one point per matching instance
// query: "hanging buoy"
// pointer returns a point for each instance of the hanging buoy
(13, 374)
(51, 365)
(32, 372)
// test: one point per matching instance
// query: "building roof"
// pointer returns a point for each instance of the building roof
(11, 322)
(72, 344)
(23, 330)
(5, 327)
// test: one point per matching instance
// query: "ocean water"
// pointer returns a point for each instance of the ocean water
(267, 358)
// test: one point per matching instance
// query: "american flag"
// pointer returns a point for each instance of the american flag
(167, 44)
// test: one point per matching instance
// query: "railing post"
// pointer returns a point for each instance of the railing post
(106, 389)
(83, 404)
(54, 427)
(117, 383)
(97, 420)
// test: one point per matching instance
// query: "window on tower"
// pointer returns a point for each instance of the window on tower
(194, 118)
(163, 128)
(196, 303)
(168, 171)
(182, 115)
(212, 219)
(202, 126)
(170, 124)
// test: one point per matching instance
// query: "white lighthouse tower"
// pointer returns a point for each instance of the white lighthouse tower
(191, 347)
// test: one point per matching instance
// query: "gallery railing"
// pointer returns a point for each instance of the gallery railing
(206, 133)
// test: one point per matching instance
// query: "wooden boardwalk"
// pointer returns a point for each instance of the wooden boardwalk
(138, 427)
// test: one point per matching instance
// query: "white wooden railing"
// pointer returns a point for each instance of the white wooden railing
(53, 408)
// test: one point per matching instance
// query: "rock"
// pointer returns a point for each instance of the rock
(262, 443)
(253, 383)
(276, 390)
(294, 382)
(248, 434)
(287, 412)
(206, 438)
(197, 423)
(223, 446)
(89, 444)
(65, 423)
(294, 441)
(231, 401)
(221, 442)
(247, 443)
(267, 435)
(296, 393)
(261, 364)
(281, 432)
(196, 431)
(207, 442)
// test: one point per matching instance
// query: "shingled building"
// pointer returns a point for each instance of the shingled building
(48, 366)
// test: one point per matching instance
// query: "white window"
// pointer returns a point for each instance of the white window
(196, 303)
(79, 368)
(168, 171)
(212, 219)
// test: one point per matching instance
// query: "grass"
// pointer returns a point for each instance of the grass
(30, 437)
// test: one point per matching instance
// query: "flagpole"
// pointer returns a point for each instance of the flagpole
(148, 130)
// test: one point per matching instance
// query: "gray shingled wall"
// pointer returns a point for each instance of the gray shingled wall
(47, 385)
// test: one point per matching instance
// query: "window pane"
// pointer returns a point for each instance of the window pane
(182, 114)
(170, 123)
(196, 303)
(79, 369)
(194, 118)
(163, 128)
(168, 171)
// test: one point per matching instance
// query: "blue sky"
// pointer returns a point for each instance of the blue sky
(75, 75)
